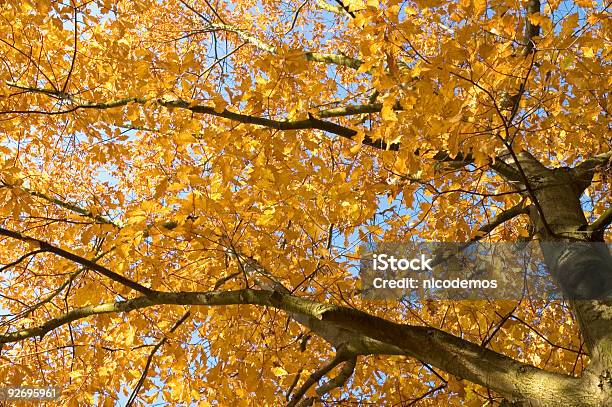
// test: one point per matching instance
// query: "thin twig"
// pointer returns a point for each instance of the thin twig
(145, 371)
(76, 34)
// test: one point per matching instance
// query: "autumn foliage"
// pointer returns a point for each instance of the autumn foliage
(186, 188)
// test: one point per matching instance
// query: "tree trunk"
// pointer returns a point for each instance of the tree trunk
(581, 267)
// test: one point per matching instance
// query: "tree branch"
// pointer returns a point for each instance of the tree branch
(334, 59)
(531, 30)
(92, 265)
(145, 371)
(20, 259)
(316, 376)
(588, 166)
(345, 373)
(331, 8)
(345, 7)
(244, 35)
(484, 230)
(66, 205)
(351, 110)
(600, 224)
(74, 315)
(432, 346)
(71, 277)
(310, 123)
(74, 51)
(503, 217)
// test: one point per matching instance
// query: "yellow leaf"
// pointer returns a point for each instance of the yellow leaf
(522, 232)
(588, 52)
(279, 371)
(400, 167)
(375, 229)
(219, 104)
(569, 24)
(387, 112)
(358, 139)
(479, 7)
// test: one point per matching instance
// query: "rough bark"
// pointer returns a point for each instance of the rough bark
(581, 267)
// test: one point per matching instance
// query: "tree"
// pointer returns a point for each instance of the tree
(185, 187)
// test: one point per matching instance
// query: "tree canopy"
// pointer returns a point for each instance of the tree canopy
(186, 188)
